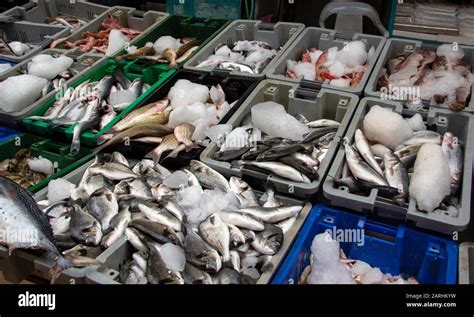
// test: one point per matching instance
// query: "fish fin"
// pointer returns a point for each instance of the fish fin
(175, 152)
(154, 155)
(65, 262)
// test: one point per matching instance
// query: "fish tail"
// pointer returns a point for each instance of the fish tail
(104, 137)
(66, 262)
(155, 155)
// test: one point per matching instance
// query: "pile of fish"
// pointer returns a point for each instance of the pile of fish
(165, 50)
(267, 140)
(175, 124)
(110, 38)
(343, 68)
(44, 74)
(93, 105)
(24, 170)
(329, 265)
(441, 77)
(63, 20)
(188, 226)
(243, 56)
(402, 159)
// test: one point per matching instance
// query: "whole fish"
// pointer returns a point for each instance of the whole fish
(170, 55)
(318, 133)
(84, 228)
(183, 134)
(153, 212)
(104, 86)
(138, 239)
(234, 66)
(237, 238)
(142, 51)
(193, 275)
(159, 232)
(229, 155)
(199, 253)
(301, 166)
(145, 111)
(279, 169)
(277, 152)
(156, 270)
(397, 176)
(112, 171)
(118, 224)
(452, 149)
(268, 241)
(158, 118)
(363, 147)
(359, 168)
(242, 220)
(322, 123)
(273, 214)
(243, 192)
(234, 262)
(103, 205)
(106, 119)
(208, 177)
(425, 136)
(215, 232)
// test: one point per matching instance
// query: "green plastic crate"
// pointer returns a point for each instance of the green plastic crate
(153, 75)
(58, 153)
(179, 26)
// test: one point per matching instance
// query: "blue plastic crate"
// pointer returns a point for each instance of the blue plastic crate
(6, 133)
(430, 259)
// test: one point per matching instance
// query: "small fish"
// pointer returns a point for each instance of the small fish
(242, 220)
(425, 136)
(170, 56)
(199, 253)
(322, 123)
(193, 275)
(153, 212)
(363, 147)
(103, 205)
(183, 134)
(243, 192)
(268, 241)
(159, 232)
(142, 51)
(118, 224)
(157, 272)
(208, 177)
(112, 171)
(158, 118)
(215, 232)
(227, 276)
(235, 66)
(279, 169)
(452, 149)
(84, 228)
(397, 176)
(273, 214)
(237, 238)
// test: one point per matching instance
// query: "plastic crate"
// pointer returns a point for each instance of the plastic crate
(280, 36)
(83, 64)
(397, 46)
(442, 120)
(180, 27)
(235, 89)
(57, 153)
(395, 250)
(37, 35)
(6, 133)
(324, 39)
(152, 76)
(227, 9)
(40, 10)
(128, 17)
(120, 251)
(466, 263)
(313, 105)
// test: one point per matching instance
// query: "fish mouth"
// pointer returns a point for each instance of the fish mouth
(213, 264)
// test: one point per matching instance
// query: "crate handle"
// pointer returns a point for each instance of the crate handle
(349, 16)
(138, 14)
(310, 84)
(29, 5)
(266, 27)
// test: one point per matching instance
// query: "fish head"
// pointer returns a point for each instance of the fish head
(448, 138)
(211, 260)
(237, 184)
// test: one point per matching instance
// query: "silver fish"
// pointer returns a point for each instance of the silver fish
(227, 276)
(452, 149)
(363, 147)
(153, 212)
(103, 205)
(208, 177)
(156, 270)
(279, 169)
(268, 241)
(85, 228)
(215, 232)
(237, 238)
(397, 176)
(243, 192)
(118, 224)
(113, 171)
(199, 253)
(425, 136)
(272, 215)
(241, 220)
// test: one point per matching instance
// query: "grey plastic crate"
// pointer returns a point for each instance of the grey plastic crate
(466, 263)
(324, 39)
(395, 47)
(37, 35)
(443, 120)
(121, 251)
(279, 35)
(83, 63)
(128, 17)
(327, 104)
(41, 9)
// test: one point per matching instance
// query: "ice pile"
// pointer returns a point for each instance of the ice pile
(431, 168)
(327, 267)
(117, 41)
(386, 127)
(343, 68)
(59, 190)
(41, 165)
(190, 104)
(20, 91)
(198, 205)
(165, 42)
(272, 119)
(19, 48)
(48, 67)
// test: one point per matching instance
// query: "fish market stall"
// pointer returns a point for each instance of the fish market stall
(329, 59)
(41, 78)
(171, 43)
(22, 39)
(246, 48)
(111, 31)
(57, 12)
(425, 159)
(90, 103)
(389, 255)
(284, 135)
(423, 75)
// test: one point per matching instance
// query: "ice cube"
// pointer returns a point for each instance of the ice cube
(165, 42)
(416, 123)
(116, 42)
(121, 97)
(373, 276)
(177, 179)
(48, 67)
(187, 114)
(249, 261)
(451, 51)
(41, 165)
(353, 54)
(13, 99)
(218, 132)
(59, 190)
(185, 93)
(173, 256)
